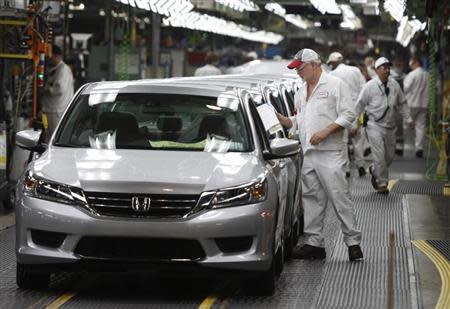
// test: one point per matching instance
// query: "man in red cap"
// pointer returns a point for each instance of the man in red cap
(324, 109)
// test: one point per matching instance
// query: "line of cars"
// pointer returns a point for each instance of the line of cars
(158, 173)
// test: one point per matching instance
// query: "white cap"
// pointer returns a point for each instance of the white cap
(335, 57)
(303, 55)
(380, 61)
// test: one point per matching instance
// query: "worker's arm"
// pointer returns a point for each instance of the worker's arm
(285, 121)
(323, 134)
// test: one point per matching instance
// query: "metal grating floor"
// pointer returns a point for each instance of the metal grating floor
(419, 187)
(364, 284)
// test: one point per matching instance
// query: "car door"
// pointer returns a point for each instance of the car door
(273, 97)
(266, 131)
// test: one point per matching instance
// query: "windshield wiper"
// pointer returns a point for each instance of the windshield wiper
(68, 145)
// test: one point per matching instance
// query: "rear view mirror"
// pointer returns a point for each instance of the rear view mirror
(282, 147)
(29, 140)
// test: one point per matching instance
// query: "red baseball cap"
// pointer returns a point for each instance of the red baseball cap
(304, 55)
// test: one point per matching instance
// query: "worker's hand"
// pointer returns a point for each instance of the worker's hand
(318, 137)
(353, 132)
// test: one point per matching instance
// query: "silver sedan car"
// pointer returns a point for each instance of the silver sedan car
(139, 172)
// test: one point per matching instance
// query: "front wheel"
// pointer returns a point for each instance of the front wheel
(265, 281)
(29, 278)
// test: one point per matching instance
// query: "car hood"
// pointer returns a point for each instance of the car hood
(144, 171)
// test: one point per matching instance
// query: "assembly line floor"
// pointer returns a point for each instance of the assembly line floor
(416, 211)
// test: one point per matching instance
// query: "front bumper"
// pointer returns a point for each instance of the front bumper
(256, 221)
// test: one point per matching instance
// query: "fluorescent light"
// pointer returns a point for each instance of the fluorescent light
(407, 29)
(350, 20)
(162, 7)
(276, 9)
(326, 6)
(396, 8)
(204, 22)
(239, 5)
(294, 19)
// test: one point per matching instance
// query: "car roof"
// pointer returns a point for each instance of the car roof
(157, 86)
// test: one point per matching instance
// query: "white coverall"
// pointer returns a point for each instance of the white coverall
(381, 126)
(323, 171)
(60, 92)
(415, 86)
(354, 79)
(207, 70)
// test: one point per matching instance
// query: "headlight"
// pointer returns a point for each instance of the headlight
(234, 196)
(44, 189)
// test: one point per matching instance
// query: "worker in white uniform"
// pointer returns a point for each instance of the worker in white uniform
(381, 98)
(324, 109)
(355, 80)
(210, 68)
(58, 90)
(415, 86)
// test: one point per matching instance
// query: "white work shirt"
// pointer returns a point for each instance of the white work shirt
(60, 88)
(380, 108)
(207, 70)
(329, 102)
(415, 86)
(352, 76)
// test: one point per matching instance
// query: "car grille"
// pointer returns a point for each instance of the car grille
(140, 249)
(120, 204)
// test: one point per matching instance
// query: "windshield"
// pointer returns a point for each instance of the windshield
(154, 121)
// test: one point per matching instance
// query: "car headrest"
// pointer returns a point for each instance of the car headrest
(214, 124)
(125, 124)
(169, 124)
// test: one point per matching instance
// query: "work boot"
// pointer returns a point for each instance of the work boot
(355, 253)
(383, 190)
(308, 252)
(419, 153)
(361, 171)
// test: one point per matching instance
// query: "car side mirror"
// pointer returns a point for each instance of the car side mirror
(281, 148)
(30, 140)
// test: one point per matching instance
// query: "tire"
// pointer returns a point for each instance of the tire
(291, 242)
(264, 283)
(27, 278)
(10, 199)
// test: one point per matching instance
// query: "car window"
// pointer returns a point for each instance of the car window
(288, 96)
(155, 121)
(270, 122)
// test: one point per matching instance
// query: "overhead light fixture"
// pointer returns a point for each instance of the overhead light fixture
(275, 8)
(350, 20)
(371, 7)
(162, 7)
(207, 23)
(396, 8)
(239, 5)
(79, 7)
(294, 19)
(326, 6)
(407, 29)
